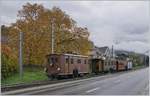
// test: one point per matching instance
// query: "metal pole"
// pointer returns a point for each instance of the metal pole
(20, 55)
(112, 52)
(61, 45)
(112, 57)
(52, 36)
(145, 57)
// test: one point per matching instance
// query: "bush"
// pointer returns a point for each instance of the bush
(9, 66)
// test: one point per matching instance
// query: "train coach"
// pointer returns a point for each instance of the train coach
(64, 65)
(100, 65)
(121, 65)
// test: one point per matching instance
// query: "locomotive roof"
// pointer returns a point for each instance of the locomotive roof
(70, 55)
(75, 55)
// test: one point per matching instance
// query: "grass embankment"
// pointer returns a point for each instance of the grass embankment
(32, 75)
(139, 67)
(29, 75)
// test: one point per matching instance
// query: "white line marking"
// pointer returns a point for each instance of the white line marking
(49, 85)
(92, 90)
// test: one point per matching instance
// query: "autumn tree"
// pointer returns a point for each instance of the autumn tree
(35, 22)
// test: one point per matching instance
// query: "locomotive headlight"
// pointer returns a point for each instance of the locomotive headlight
(45, 69)
(58, 68)
(50, 64)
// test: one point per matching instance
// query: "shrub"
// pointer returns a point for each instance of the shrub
(8, 65)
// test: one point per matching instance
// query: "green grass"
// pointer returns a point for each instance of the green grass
(138, 67)
(29, 76)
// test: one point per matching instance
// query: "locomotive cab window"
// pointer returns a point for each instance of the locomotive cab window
(52, 60)
(56, 60)
(49, 60)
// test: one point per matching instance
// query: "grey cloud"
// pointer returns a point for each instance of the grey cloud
(132, 39)
(131, 29)
(108, 22)
(132, 46)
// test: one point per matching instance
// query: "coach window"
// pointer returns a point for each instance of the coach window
(85, 61)
(79, 61)
(71, 60)
(67, 60)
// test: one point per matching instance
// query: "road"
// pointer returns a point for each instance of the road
(127, 83)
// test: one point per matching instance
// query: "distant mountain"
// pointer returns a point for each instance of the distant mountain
(127, 52)
(130, 53)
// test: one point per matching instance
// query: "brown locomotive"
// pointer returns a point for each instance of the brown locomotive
(66, 65)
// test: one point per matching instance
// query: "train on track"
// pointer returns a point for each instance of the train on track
(64, 65)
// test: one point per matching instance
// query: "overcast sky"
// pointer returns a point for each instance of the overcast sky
(124, 24)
